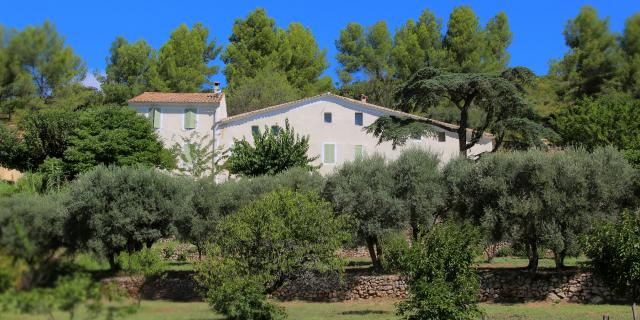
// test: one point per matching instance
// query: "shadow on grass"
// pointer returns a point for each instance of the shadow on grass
(363, 312)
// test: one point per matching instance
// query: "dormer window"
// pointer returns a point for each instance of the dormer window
(327, 117)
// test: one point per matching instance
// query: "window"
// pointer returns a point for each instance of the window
(358, 151)
(190, 118)
(255, 130)
(358, 118)
(275, 129)
(442, 137)
(327, 117)
(155, 117)
(329, 153)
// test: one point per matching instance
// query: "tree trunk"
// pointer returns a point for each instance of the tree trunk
(558, 257)
(533, 256)
(372, 252)
(462, 130)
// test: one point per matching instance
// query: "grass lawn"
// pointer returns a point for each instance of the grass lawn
(374, 310)
(520, 262)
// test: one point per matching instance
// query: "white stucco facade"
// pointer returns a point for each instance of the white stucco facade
(334, 142)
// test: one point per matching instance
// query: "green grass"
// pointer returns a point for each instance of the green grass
(373, 310)
(520, 262)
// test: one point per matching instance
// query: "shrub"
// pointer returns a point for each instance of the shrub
(145, 262)
(505, 251)
(263, 245)
(442, 283)
(31, 230)
(363, 191)
(210, 202)
(395, 248)
(273, 151)
(614, 249)
(115, 209)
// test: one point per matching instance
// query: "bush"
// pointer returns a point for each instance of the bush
(395, 248)
(119, 209)
(31, 230)
(442, 283)
(211, 202)
(263, 245)
(614, 249)
(505, 251)
(273, 151)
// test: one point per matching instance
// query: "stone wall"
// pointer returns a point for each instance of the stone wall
(497, 285)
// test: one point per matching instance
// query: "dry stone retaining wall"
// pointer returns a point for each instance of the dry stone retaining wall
(497, 285)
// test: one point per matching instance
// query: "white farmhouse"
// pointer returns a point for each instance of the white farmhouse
(334, 124)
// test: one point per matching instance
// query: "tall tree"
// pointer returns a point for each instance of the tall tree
(132, 68)
(497, 38)
(41, 52)
(259, 47)
(268, 87)
(499, 96)
(631, 47)
(463, 41)
(417, 44)
(184, 59)
(593, 59)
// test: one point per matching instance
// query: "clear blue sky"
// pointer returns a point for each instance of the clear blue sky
(91, 26)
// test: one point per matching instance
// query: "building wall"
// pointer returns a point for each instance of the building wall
(172, 129)
(307, 118)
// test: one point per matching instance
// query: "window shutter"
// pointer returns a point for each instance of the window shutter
(190, 118)
(358, 119)
(358, 151)
(329, 153)
(155, 117)
(255, 130)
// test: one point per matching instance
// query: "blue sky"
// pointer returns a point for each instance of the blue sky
(91, 26)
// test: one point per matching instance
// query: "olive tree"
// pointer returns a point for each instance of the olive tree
(114, 209)
(363, 190)
(418, 183)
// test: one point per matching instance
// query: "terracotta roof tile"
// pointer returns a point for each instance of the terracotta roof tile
(168, 97)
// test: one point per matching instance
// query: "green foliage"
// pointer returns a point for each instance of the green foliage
(115, 209)
(593, 60)
(536, 200)
(145, 262)
(132, 68)
(263, 245)
(236, 294)
(396, 248)
(197, 158)
(67, 295)
(259, 52)
(363, 191)
(113, 135)
(463, 40)
(268, 87)
(418, 43)
(607, 120)
(40, 52)
(441, 281)
(11, 150)
(184, 59)
(499, 96)
(32, 231)
(418, 182)
(210, 201)
(614, 249)
(273, 151)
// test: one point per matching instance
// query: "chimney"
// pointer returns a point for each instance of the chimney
(363, 98)
(216, 87)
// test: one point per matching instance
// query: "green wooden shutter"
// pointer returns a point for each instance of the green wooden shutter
(154, 116)
(329, 153)
(358, 151)
(190, 118)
